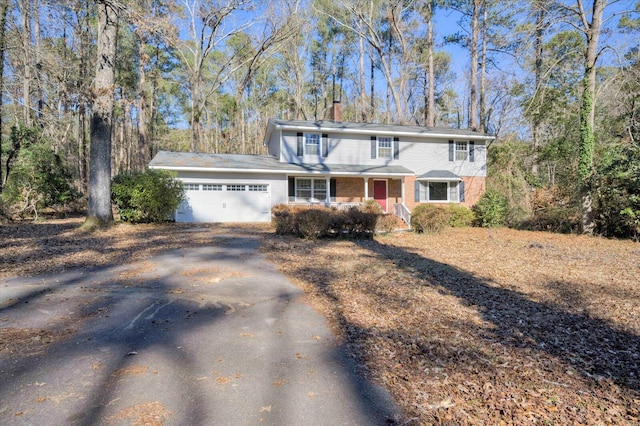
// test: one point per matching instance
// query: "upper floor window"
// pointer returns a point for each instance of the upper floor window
(311, 144)
(385, 148)
(461, 151)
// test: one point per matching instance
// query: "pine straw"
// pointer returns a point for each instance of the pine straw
(484, 327)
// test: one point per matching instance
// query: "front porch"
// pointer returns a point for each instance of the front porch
(345, 192)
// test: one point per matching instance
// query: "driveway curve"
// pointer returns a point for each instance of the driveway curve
(206, 335)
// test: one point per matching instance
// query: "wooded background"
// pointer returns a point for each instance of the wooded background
(557, 83)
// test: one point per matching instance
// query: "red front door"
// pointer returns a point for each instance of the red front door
(380, 193)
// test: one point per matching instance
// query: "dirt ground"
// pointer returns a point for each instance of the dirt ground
(471, 326)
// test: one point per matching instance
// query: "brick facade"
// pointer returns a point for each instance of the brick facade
(351, 190)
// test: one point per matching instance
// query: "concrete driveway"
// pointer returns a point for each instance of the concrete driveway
(198, 336)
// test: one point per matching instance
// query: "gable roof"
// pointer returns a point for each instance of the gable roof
(374, 129)
(439, 175)
(238, 163)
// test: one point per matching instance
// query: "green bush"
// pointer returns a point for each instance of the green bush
(150, 196)
(313, 223)
(429, 218)
(492, 210)
(38, 177)
(461, 216)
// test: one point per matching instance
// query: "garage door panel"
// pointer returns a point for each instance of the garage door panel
(226, 206)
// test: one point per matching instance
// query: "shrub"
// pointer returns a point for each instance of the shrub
(492, 210)
(150, 196)
(283, 217)
(429, 218)
(461, 216)
(313, 223)
(386, 223)
(38, 177)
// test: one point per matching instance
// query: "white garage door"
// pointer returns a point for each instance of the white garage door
(237, 202)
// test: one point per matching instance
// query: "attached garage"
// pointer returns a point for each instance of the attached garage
(222, 188)
(225, 202)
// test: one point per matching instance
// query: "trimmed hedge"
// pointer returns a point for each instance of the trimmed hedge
(320, 222)
(430, 218)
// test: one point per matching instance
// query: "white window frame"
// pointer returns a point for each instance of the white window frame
(312, 140)
(453, 188)
(385, 152)
(211, 187)
(314, 189)
(261, 187)
(461, 152)
(191, 186)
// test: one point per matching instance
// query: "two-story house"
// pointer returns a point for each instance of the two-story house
(332, 163)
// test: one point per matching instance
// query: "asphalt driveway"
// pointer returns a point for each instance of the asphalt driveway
(209, 335)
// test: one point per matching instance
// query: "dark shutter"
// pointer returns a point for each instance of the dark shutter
(374, 147)
(396, 148)
(292, 188)
(461, 186)
(416, 191)
(325, 144)
(451, 148)
(332, 189)
(300, 144)
(472, 149)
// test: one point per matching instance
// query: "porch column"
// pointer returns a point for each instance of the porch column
(366, 189)
(402, 190)
(327, 199)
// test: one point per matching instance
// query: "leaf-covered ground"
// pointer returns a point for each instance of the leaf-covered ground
(466, 327)
(485, 327)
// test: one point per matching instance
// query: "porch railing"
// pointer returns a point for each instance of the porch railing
(400, 210)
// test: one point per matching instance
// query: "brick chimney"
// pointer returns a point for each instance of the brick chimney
(336, 112)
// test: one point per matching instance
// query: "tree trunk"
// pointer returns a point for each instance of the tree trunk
(473, 81)
(587, 112)
(535, 125)
(431, 103)
(363, 89)
(483, 74)
(26, 58)
(4, 8)
(142, 107)
(99, 208)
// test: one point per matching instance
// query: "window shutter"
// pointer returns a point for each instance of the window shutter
(461, 186)
(374, 146)
(416, 191)
(300, 144)
(396, 148)
(292, 188)
(325, 144)
(451, 148)
(472, 151)
(332, 189)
